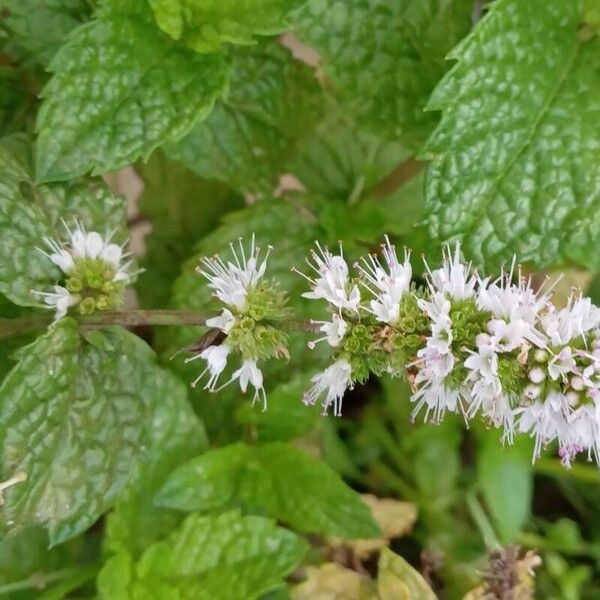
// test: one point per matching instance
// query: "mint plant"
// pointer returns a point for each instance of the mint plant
(325, 315)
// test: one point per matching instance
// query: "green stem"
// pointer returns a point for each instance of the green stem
(40, 581)
(128, 318)
(483, 523)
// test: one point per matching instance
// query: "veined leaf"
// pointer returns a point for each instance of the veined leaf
(74, 422)
(383, 57)
(516, 160)
(251, 134)
(214, 557)
(275, 479)
(205, 25)
(120, 88)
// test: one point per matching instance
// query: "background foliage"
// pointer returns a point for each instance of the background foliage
(296, 120)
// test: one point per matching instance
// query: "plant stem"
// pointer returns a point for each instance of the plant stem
(128, 318)
(397, 178)
(490, 538)
(40, 581)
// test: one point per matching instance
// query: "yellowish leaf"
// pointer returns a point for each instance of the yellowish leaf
(331, 581)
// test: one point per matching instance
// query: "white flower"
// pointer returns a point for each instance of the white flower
(225, 321)
(216, 359)
(332, 282)
(334, 381)
(516, 310)
(61, 299)
(545, 420)
(231, 281)
(576, 319)
(454, 278)
(561, 363)
(581, 434)
(86, 245)
(487, 395)
(437, 309)
(334, 331)
(250, 373)
(387, 286)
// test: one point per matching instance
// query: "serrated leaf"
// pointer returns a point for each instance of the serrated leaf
(41, 27)
(74, 421)
(505, 476)
(397, 580)
(193, 209)
(251, 134)
(120, 88)
(175, 436)
(275, 479)
(205, 25)
(28, 213)
(515, 159)
(216, 557)
(385, 57)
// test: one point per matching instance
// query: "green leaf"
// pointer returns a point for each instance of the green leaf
(396, 579)
(383, 57)
(215, 557)
(274, 479)
(205, 25)
(28, 213)
(515, 160)
(250, 136)
(287, 418)
(193, 209)
(41, 27)
(342, 160)
(175, 436)
(505, 475)
(120, 89)
(74, 421)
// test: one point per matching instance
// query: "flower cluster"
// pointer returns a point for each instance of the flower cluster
(250, 323)
(468, 345)
(95, 272)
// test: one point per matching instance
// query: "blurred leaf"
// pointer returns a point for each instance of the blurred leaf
(273, 479)
(397, 580)
(331, 581)
(384, 58)
(505, 475)
(393, 517)
(213, 557)
(341, 160)
(205, 25)
(251, 134)
(40, 27)
(287, 417)
(182, 208)
(175, 436)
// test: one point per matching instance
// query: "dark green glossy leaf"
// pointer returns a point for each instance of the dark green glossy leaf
(515, 160)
